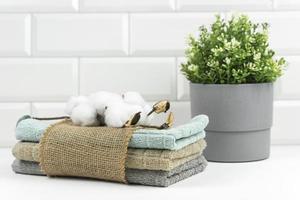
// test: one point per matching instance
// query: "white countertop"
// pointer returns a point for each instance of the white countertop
(275, 178)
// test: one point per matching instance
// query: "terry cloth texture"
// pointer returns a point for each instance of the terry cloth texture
(152, 159)
(94, 152)
(29, 129)
(144, 177)
(28, 151)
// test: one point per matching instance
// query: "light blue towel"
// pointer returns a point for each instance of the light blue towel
(29, 129)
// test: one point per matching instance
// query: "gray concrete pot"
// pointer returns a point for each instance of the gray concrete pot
(240, 119)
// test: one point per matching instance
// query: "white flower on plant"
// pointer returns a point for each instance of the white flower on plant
(217, 51)
(227, 45)
(251, 39)
(192, 68)
(227, 60)
(234, 43)
(257, 56)
(191, 53)
(221, 37)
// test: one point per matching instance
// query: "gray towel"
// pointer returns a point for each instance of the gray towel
(134, 176)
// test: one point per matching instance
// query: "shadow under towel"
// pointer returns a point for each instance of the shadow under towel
(134, 176)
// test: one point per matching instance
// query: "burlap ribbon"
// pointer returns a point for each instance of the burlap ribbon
(94, 152)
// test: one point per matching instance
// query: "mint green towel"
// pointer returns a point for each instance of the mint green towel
(29, 129)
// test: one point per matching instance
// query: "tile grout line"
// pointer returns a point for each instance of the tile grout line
(129, 34)
(78, 75)
(273, 5)
(176, 79)
(176, 8)
(296, 54)
(77, 6)
(33, 35)
(30, 37)
(31, 108)
(212, 11)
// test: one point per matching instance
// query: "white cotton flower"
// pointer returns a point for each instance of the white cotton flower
(73, 102)
(115, 109)
(146, 120)
(101, 99)
(84, 114)
(118, 113)
(134, 98)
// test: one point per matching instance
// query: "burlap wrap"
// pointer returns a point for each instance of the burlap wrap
(94, 152)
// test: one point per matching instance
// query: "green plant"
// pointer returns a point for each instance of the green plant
(232, 52)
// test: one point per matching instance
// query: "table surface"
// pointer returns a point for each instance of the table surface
(275, 178)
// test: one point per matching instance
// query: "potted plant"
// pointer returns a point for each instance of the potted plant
(231, 70)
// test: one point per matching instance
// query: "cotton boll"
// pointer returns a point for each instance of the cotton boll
(118, 113)
(73, 102)
(114, 117)
(115, 114)
(134, 98)
(84, 114)
(146, 120)
(101, 99)
(132, 109)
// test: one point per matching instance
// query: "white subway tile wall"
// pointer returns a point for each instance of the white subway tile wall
(127, 5)
(284, 31)
(52, 49)
(15, 34)
(164, 34)
(38, 79)
(80, 34)
(226, 5)
(152, 77)
(48, 109)
(182, 83)
(38, 6)
(9, 114)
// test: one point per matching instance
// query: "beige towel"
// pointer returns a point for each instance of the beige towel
(151, 159)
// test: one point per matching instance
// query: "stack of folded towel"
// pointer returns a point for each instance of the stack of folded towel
(154, 157)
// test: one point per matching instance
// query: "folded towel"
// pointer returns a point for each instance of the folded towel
(29, 129)
(135, 176)
(152, 159)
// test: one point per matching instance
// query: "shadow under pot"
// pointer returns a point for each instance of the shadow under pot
(240, 120)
